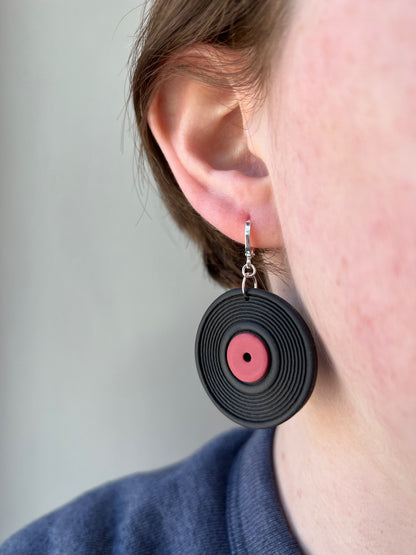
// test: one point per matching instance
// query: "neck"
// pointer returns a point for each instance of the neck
(345, 485)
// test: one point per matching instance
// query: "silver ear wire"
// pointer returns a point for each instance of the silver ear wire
(248, 270)
(247, 239)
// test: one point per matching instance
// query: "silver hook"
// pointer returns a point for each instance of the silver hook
(248, 270)
(247, 239)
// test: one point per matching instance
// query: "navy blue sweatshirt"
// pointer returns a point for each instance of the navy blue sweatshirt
(222, 500)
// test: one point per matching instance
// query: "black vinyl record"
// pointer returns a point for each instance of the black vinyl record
(256, 357)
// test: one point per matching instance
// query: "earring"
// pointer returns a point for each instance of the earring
(255, 354)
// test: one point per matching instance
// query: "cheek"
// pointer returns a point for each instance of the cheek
(345, 187)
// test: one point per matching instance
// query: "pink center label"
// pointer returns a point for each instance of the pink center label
(247, 357)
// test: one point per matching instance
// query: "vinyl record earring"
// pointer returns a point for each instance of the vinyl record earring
(255, 354)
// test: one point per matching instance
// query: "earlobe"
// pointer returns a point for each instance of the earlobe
(199, 128)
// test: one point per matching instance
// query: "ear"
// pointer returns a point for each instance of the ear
(201, 131)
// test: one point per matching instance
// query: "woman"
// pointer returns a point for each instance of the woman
(297, 116)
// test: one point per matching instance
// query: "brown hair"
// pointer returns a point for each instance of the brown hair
(170, 26)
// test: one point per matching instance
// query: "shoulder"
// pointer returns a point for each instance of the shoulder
(180, 509)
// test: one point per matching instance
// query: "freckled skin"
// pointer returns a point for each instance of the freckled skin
(344, 178)
(339, 127)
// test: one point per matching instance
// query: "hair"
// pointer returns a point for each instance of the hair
(250, 28)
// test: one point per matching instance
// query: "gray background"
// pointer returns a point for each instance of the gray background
(99, 297)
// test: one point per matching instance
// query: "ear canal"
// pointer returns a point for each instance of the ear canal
(224, 145)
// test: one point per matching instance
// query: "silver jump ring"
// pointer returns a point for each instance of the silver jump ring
(248, 270)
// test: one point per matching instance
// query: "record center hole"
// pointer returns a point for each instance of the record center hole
(247, 357)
